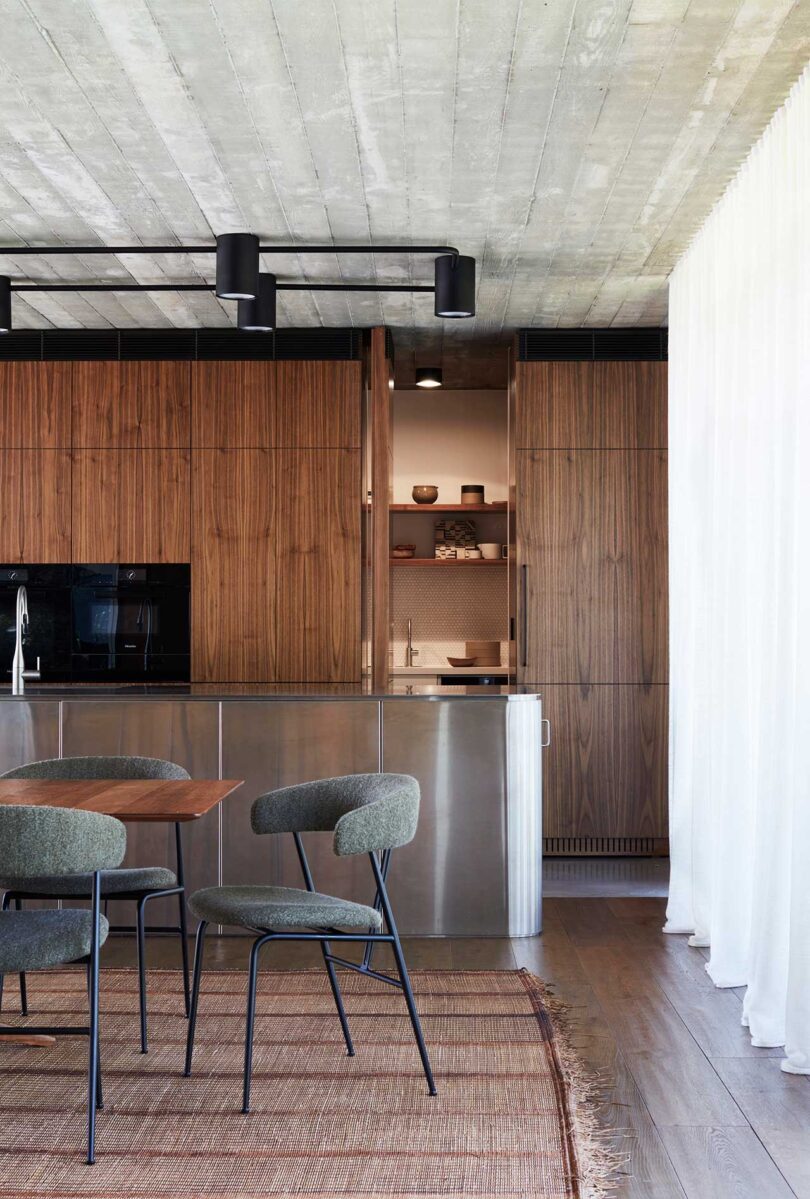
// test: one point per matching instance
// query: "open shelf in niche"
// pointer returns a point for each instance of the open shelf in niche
(501, 506)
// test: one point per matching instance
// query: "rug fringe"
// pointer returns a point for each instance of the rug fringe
(599, 1166)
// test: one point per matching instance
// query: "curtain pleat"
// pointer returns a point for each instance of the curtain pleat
(739, 461)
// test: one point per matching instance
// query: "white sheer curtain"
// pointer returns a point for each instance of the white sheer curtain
(740, 586)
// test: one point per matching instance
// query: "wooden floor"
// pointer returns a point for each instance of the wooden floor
(696, 1109)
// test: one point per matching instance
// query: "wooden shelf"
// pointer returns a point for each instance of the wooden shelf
(493, 509)
(448, 561)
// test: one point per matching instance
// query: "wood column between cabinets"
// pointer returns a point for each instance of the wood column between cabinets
(380, 433)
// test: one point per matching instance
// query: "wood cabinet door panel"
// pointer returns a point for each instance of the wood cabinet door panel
(276, 566)
(591, 405)
(233, 566)
(318, 405)
(232, 404)
(279, 405)
(630, 405)
(592, 563)
(131, 505)
(553, 405)
(127, 405)
(318, 591)
(605, 772)
(35, 405)
(35, 502)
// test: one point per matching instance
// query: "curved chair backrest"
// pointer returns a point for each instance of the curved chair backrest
(43, 841)
(367, 812)
(101, 767)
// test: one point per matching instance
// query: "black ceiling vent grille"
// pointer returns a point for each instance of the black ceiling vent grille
(66, 344)
(587, 345)
(158, 344)
(389, 345)
(24, 344)
(130, 344)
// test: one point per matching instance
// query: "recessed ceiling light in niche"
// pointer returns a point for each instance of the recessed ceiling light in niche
(428, 376)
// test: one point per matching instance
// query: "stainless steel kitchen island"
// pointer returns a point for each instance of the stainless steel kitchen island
(474, 868)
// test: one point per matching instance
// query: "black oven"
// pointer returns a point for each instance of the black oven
(130, 623)
(47, 635)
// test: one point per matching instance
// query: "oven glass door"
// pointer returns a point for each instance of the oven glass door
(130, 633)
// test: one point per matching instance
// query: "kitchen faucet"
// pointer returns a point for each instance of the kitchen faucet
(410, 652)
(18, 671)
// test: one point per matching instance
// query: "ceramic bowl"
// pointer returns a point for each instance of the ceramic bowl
(461, 661)
(425, 493)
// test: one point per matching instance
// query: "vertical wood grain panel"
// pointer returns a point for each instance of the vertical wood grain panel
(131, 505)
(233, 404)
(630, 405)
(35, 405)
(317, 405)
(553, 405)
(605, 774)
(276, 566)
(124, 405)
(35, 506)
(381, 435)
(318, 566)
(591, 405)
(592, 534)
(296, 405)
(234, 566)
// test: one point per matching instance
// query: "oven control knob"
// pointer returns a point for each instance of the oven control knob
(130, 574)
(13, 575)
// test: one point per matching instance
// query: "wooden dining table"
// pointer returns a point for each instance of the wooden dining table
(168, 801)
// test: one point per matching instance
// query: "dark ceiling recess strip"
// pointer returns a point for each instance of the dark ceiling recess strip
(589, 345)
(53, 345)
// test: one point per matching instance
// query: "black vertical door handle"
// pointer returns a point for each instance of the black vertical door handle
(524, 615)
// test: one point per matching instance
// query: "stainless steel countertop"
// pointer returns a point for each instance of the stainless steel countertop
(399, 689)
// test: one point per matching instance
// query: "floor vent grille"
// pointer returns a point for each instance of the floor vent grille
(607, 847)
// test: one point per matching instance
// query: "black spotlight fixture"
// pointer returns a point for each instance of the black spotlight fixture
(5, 304)
(237, 266)
(259, 315)
(428, 376)
(455, 285)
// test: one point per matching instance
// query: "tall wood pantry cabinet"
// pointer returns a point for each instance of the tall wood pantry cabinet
(591, 595)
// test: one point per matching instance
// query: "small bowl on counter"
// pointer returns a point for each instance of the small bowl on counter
(403, 551)
(461, 661)
(425, 493)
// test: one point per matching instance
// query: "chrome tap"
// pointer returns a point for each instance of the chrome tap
(410, 652)
(18, 672)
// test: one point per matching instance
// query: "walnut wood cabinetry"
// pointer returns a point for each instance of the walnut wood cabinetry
(591, 533)
(131, 405)
(131, 505)
(276, 565)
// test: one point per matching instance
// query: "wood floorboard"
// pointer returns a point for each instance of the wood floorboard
(695, 1110)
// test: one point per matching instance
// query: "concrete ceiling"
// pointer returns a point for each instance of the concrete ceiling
(572, 146)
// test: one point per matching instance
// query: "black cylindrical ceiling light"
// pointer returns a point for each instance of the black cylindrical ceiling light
(428, 376)
(237, 266)
(259, 315)
(5, 304)
(455, 285)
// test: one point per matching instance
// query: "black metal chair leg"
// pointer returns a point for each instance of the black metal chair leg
(195, 994)
(402, 970)
(141, 941)
(23, 985)
(94, 1060)
(341, 1011)
(251, 1018)
(181, 898)
(99, 1090)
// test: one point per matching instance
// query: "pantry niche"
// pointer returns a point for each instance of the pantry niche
(457, 602)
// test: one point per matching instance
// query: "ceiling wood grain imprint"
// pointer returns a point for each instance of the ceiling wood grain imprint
(573, 147)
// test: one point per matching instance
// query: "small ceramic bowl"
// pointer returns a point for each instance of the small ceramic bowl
(425, 493)
(403, 551)
(461, 661)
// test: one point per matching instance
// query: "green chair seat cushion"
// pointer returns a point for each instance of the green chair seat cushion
(113, 882)
(280, 907)
(36, 940)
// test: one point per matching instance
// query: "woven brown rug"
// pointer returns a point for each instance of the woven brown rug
(512, 1117)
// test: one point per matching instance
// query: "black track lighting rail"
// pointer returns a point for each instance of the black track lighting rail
(274, 249)
(114, 286)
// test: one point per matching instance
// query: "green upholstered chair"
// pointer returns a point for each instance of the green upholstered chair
(64, 842)
(366, 814)
(140, 884)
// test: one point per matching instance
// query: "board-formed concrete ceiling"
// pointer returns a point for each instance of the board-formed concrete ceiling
(572, 146)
